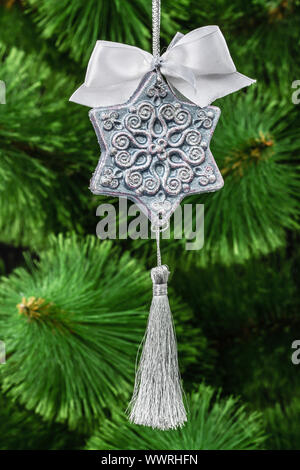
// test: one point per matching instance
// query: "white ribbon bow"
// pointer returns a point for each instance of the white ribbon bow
(197, 64)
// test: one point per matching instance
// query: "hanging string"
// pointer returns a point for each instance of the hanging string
(158, 246)
(158, 229)
(156, 29)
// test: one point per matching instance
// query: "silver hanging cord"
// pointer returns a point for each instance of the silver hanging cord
(158, 246)
(156, 29)
(158, 229)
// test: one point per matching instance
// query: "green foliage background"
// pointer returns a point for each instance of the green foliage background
(73, 308)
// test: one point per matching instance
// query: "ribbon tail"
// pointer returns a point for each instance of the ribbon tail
(211, 87)
(108, 95)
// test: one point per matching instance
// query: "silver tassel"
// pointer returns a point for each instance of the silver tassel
(157, 397)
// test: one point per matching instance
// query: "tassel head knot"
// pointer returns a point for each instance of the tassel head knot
(160, 275)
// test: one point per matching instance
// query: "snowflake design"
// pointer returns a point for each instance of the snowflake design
(110, 121)
(155, 149)
(158, 149)
(158, 91)
(110, 177)
(204, 119)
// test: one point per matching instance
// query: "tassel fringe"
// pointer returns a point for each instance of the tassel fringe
(157, 397)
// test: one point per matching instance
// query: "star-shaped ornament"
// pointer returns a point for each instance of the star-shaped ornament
(155, 149)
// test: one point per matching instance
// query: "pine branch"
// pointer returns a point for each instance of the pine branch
(18, 30)
(76, 356)
(256, 146)
(72, 325)
(47, 152)
(250, 315)
(262, 35)
(37, 113)
(243, 299)
(23, 430)
(214, 424)
(282, 426)
(78, 24)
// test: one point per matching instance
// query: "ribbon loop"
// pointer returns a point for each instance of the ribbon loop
(197, 64)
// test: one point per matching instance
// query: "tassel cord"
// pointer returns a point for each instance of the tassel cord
(156, 29)
(157, 233)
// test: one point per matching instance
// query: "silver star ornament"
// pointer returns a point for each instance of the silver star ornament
(155, 149)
